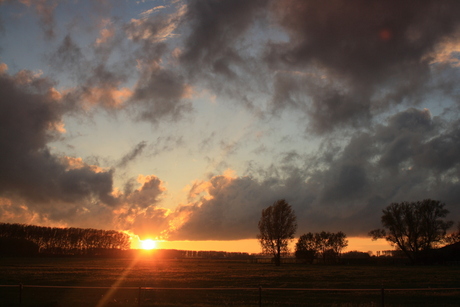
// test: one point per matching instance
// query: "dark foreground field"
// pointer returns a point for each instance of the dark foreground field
(220, 274)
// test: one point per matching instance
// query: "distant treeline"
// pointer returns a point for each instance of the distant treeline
(190, 254)
(30, 240)
(20, 239)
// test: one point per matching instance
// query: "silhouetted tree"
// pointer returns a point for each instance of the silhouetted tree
(76, 241)
(277, 227)
(322, 244)
(337, 242)
(356, 255)
(306, 247)
(453, 237)
(413, 226)
(17, 247)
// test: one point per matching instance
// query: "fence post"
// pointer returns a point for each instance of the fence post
(383, 297)
(260, 296)
(20, 294)
(139, 297)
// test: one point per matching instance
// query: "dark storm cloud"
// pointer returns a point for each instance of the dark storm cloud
(358, 49)
(344, 186)
(342, 67)
(148, 194)
(400, 138)
(387, 166)
(216, 51)
(215, 28)
(340, 64)
(441, 153)
(362, 39)
(31, 115)
(161, 94)
(231, 211)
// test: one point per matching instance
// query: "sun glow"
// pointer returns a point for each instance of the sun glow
(148, 244)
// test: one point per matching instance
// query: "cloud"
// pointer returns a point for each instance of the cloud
(45, 11)
(106, 33)
(3, 68)
(358, 50)
(140, 211)
(148, 194)
(367, 92)
(30, 113)
(339, 64)
(68, 57)
(152, 10)
(343, 187)
(218, 53)
(98, 83)
(215, 28)
(165, 144)
(225, 208)
(41, 187)
(153, 29)
(130, 156)
(161, 92)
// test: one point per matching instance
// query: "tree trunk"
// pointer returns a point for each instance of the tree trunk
(278, 255)
(278, 260)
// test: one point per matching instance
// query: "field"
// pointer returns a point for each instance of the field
(221, 275)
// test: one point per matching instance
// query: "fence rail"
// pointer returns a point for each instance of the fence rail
(259, 289)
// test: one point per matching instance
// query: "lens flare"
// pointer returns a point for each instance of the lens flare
(148, 244)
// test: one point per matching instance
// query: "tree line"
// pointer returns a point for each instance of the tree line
(277, 227)
(415, 228)
(61, 241)
(326, 246)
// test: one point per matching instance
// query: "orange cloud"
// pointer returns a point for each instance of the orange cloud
(444, 53)
(77, 163)
(3, 68)
(108, 96)
(106, 33)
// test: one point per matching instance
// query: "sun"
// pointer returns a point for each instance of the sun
(148, 244)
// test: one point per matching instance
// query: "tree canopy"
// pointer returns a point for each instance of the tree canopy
(66, 241)
(277, 227)
(323, 244)
(413, 226)
(453, 237)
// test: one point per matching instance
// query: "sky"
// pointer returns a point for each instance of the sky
(182, 120)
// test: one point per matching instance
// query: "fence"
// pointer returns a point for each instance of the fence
(259, 291)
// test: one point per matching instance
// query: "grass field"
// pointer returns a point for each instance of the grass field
(222, 275)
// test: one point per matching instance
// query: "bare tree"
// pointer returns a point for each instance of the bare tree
(413, 226)
(277, 227)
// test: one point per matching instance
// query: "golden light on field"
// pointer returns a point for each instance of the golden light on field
(148, 244)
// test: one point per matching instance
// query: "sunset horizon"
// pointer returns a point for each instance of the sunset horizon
(181, 121)
(252, 246)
